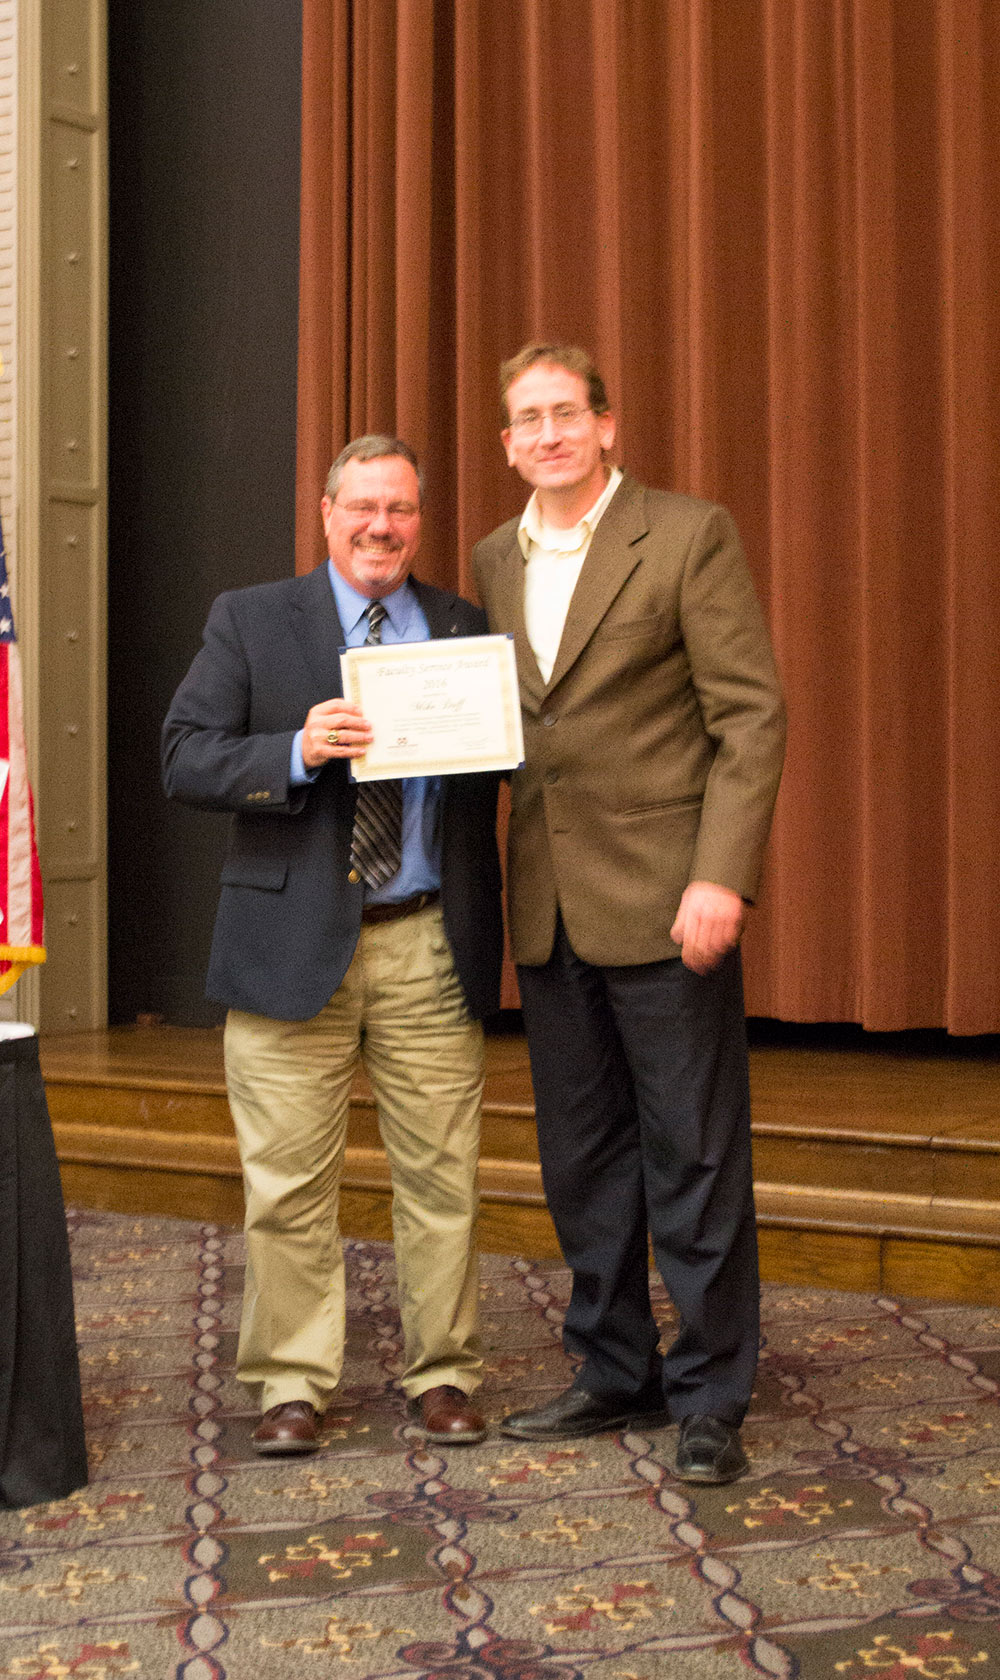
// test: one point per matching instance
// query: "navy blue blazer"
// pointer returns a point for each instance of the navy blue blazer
(289, 920)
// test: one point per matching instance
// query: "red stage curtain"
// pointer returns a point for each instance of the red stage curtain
(775, 224)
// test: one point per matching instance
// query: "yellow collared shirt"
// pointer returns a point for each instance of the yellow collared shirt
(553, 561)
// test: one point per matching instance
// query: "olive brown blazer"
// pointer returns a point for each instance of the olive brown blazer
(653, 755)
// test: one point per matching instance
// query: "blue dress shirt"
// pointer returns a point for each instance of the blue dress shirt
(420, 869)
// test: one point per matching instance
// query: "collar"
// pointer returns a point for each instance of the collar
(352, 606)
(533, 528)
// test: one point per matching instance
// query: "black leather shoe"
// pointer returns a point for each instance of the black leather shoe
(574, 1413)
(709, 1450)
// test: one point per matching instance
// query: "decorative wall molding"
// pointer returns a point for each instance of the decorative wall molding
(61, 486)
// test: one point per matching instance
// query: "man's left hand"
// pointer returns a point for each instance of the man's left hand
(709, 923)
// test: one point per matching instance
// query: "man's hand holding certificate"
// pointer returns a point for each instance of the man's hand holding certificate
(436, 708)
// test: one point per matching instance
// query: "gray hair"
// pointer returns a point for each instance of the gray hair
(374, 446)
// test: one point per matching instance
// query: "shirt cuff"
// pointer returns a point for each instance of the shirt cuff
(298, 775)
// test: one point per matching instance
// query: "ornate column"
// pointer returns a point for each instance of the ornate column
(60, 486)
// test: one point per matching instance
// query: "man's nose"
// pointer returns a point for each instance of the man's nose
(550, 431)
(380, 523)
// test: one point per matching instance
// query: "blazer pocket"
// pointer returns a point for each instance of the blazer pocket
(660, 807)
(652, 624)
(270, 875)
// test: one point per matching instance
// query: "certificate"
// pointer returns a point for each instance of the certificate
(436, 708)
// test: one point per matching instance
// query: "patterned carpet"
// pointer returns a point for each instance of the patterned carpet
(865, 1542)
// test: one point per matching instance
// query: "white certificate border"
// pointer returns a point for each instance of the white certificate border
(500, 647)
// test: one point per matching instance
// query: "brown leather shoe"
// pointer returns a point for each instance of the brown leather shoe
(292, 1427)
(446, 1415)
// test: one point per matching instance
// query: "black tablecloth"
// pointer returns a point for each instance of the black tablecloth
(42, 1450)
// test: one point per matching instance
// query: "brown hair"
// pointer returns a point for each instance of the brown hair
(568, 356)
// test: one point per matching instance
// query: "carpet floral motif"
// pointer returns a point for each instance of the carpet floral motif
(863, 1545)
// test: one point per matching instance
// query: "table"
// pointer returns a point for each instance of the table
(42, 1449)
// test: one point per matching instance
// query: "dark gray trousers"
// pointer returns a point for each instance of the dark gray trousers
(643, 1111)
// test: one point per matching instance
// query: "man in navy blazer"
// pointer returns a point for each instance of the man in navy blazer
(324, 955)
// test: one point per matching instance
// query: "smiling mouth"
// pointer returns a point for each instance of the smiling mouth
(377, 550)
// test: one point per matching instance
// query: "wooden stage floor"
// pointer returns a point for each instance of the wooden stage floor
(876, 1162)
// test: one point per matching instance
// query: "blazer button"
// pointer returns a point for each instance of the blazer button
(549, 719)
(551, 776)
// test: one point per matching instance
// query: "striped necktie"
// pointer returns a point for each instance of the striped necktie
(377, 841)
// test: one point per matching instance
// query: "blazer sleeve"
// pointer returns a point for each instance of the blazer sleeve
(739, 692)
(212, 757)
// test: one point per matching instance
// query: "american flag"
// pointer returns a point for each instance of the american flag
(21, 930)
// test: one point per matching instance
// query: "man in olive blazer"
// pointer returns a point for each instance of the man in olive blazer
(654, 732)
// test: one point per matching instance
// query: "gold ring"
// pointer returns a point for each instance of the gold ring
(332, 737)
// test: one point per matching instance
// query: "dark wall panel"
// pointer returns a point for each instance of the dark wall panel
(204, 100)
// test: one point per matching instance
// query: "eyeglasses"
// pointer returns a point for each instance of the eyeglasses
(396, 511)
(564, 416)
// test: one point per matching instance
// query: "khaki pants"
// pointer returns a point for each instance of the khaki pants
(400, 1007)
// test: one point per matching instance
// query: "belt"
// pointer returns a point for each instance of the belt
(401, 907)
